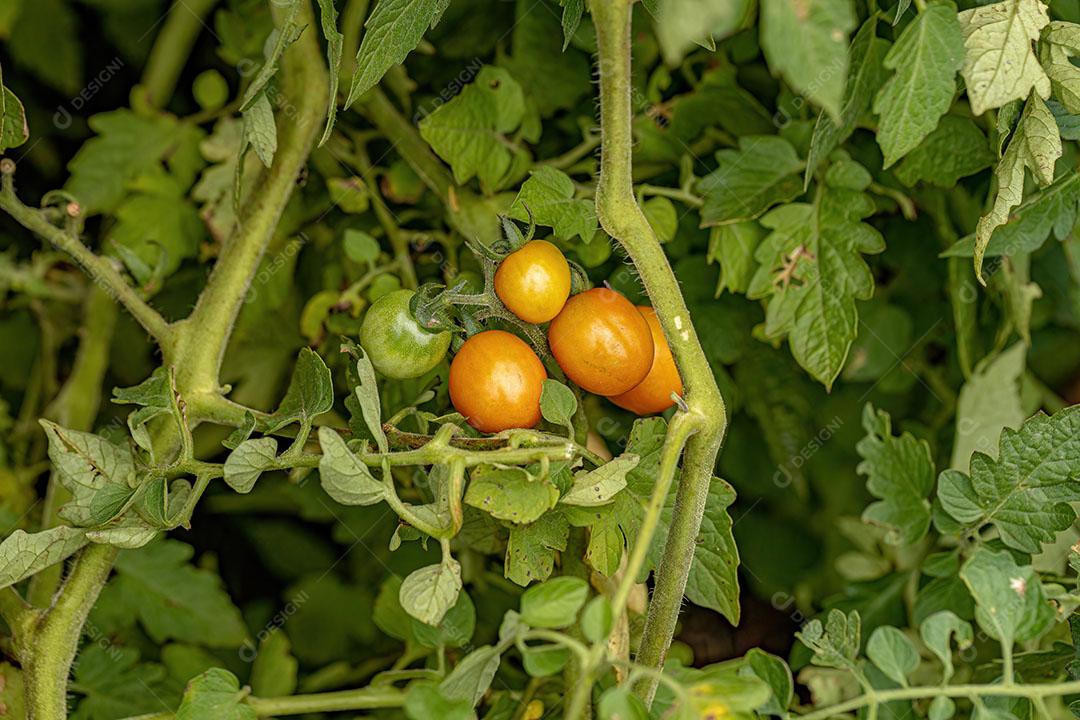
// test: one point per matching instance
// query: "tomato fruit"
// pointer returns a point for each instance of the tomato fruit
(653, 394)
(534, 281)
(398, 346)
(602, 342)
(495, 382)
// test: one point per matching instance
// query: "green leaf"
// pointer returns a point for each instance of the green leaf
(393, 30)
(999, 62)
(558, 404)
(1035, 145)
(1025, 493)
(599, 486)
(1058, 50)
(836, 643)
(571, 18)
(113, 683)
(310, 393)
(154, 396)
(260, 132)
(1009, 602)
(662, 216)
(544, 660)
(775, 673)
(24, 554)
(454, 630)
(424, 701)
(428, 593)
(335, 41)
(620, 703)
(893, 653)
(549, 194)
(989, 402)
(84, 463)
(175, 600)
(215, 694)
(553, 76)
(681, 24)
(469, 132)
(510, 494)
(597, 619)
(282, 37)
(941, 708)
(811, 272)
(46, 39)
(130, 533)
(472, 677)
(936, 632)
(273, 673)
(361, 247)
(806, 42)
(530, 551)
(899, 471)
(955, 149)
(746, 182)
(367, 394)
(554, 603)
(249, 461)
(13, 128)
(866, 77)
(343, 475)
(734, 246)
(926, 57)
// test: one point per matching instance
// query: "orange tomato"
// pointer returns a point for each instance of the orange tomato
(602, 342)
(495, 382)
(534, 281)
(653, 394)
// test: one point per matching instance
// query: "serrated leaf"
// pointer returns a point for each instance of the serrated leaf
(260, 132)
(746, 182)
(893, 653)
(530, 551)
(988, 403)
(1010, 605)
(806, 42)
(426, 594)
(510, 494)
(1035, 145)
(936, 632)
(955, 149)
(84, 463)
(13, 128)
(1025, 493)
(999, 62)
(344, 476)
(599, 486)
(835, 643)
(733, 246)
(23, 554)
(215, 694)
(335, 41)
(391, 32)
(552, 75)
(310, 393)
(899, 471)
(811, 271)
(926, 57)
(549, 194)
(283, 37)
(1059, 48)
(469, 132)
(867, 75)
(249, 461)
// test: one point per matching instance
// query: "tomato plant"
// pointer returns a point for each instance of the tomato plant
(539, 359)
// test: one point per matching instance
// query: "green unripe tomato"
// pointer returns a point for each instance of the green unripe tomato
(395, 342)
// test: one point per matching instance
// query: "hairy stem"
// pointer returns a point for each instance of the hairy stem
(172, 48)
(101, 270)
(621, 217)
(56, 639)
(205, 334)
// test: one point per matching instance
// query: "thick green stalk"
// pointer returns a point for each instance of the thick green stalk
(205, 333)
(56, 637)
(172, 48)
(621, 217)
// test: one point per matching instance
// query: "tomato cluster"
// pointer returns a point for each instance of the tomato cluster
(600, 340)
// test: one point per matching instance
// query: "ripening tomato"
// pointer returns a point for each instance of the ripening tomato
(602, 342)
(495, 382)
(534, 281)
(397, 345)
(653, 394)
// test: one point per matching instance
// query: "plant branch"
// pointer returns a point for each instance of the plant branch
(621, 216)
(879, 697)
(100, 270)
(56, 639)
(205, 334)
(172, 48)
